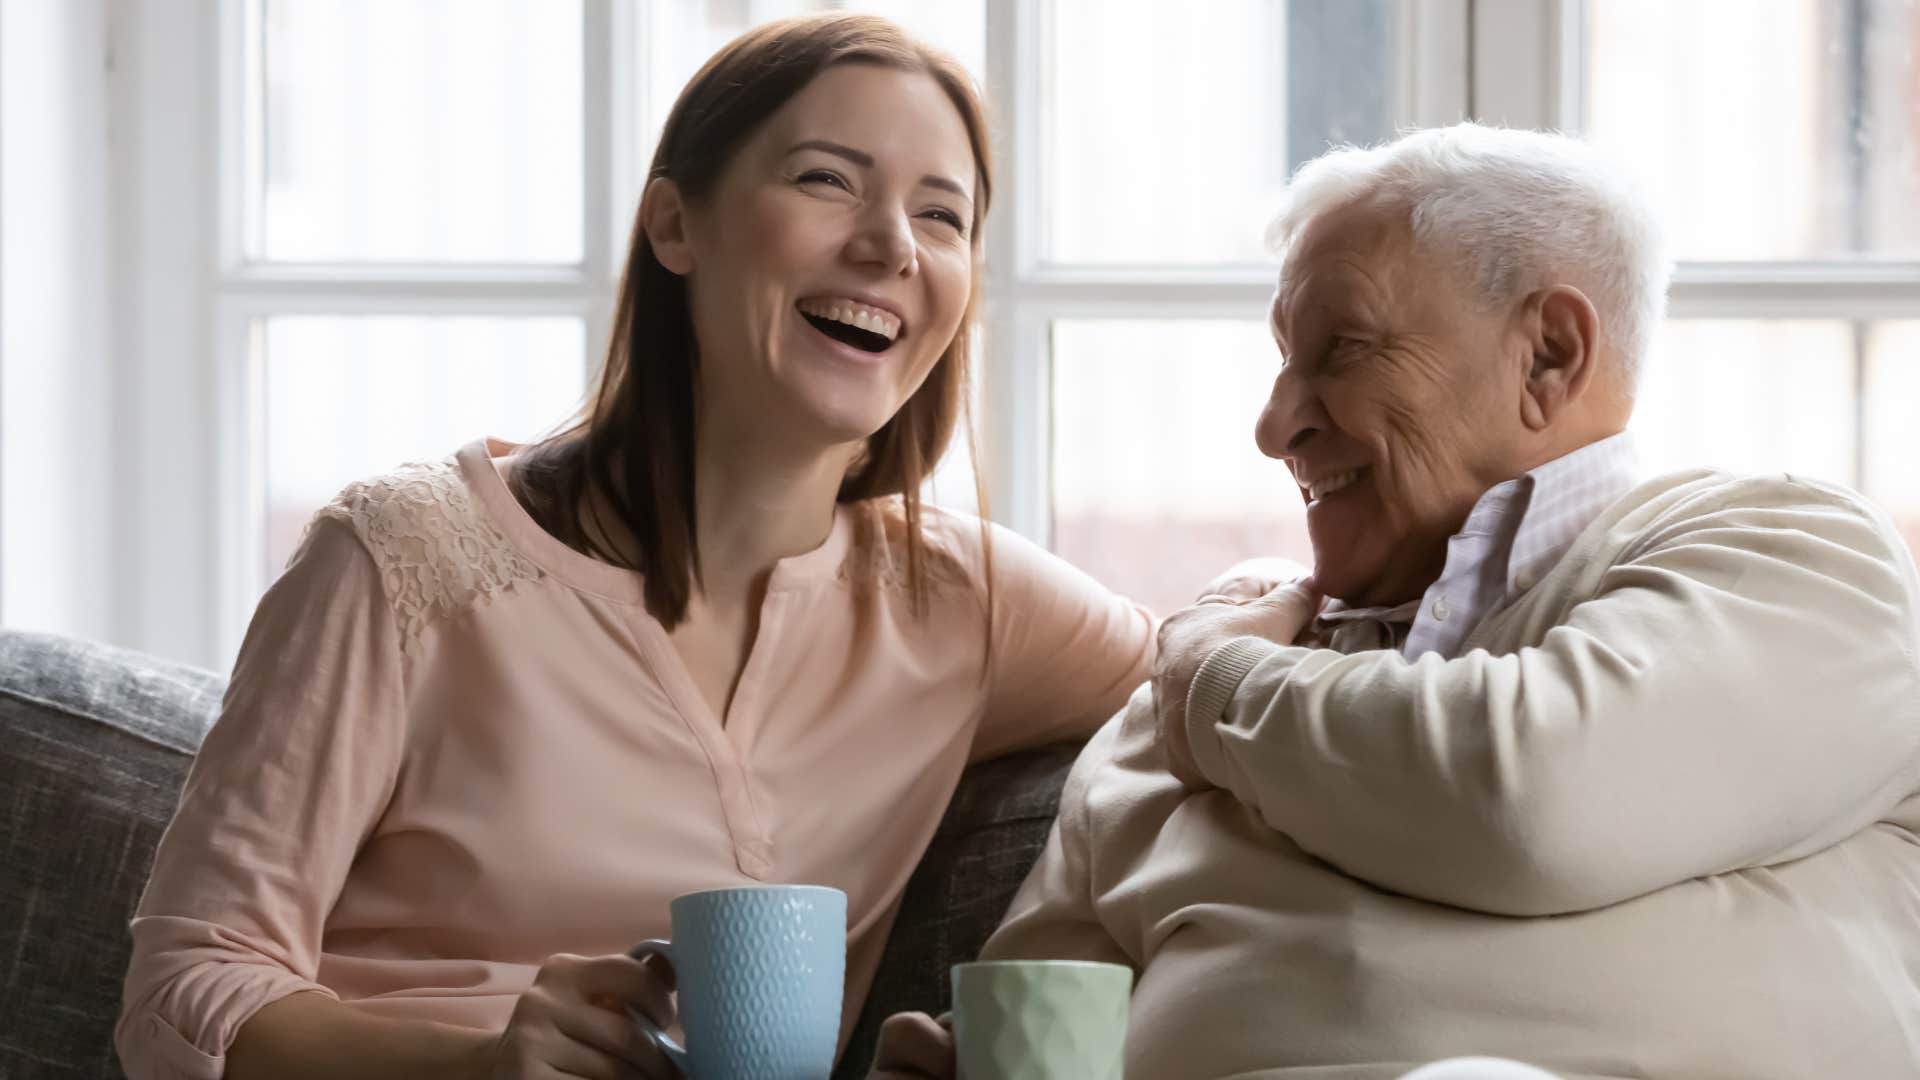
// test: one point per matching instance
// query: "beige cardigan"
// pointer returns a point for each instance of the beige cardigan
(1657, 820)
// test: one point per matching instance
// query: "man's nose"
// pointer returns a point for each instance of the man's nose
(884, 241)
(1291, 419)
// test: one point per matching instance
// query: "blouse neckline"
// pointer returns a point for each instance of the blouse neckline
(478, 464)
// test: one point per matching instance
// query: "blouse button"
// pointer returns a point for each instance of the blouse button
(1441, 609)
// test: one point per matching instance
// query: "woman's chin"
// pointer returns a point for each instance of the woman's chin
(842, 423)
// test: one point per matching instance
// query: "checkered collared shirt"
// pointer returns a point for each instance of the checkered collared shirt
(1513, 536)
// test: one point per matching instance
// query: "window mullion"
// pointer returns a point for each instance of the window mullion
(1014, 454)
(602, 103)
(1071, 298)
(1524, 62)
(1434, 62)
(1756, 291)
(242, 75)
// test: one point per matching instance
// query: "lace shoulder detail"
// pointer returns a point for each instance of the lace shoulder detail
(436, 553)
(878, 555)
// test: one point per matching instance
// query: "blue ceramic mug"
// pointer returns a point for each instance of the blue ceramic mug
(761, 971)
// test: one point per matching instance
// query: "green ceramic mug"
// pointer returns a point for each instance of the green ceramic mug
(1040, 1019)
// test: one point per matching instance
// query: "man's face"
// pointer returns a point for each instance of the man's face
(1397, 404)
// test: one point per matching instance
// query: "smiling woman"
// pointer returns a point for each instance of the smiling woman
(502, 709)
(765, 193)
(810, 243)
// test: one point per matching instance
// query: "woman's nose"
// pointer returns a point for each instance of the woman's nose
(885, 241)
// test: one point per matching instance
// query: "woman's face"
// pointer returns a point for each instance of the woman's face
(831, 265)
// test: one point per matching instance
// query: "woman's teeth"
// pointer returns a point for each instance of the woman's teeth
(1332, 484)
(860, 316)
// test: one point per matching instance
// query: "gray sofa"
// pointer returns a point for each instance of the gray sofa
(97, 745)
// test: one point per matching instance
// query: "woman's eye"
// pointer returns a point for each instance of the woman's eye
(947, 217)
(823, 176)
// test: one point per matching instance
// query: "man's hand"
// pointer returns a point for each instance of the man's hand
(1256, 577)
(914, 1046)
(1188, 637)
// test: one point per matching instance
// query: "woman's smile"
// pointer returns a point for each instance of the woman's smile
(854, 328)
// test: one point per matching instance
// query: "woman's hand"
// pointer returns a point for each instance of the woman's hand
(1256, 577)
(573, 1022)
(914, 1046)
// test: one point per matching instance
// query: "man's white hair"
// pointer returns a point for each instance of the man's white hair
(1517, 209)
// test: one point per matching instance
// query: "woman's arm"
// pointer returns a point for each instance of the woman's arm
(1066, 650)
(573, 1021)
(309, 1036)
(284, 790)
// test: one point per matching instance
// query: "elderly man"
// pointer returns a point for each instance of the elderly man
(1613, 776)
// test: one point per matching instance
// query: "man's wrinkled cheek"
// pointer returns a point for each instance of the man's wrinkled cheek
(1419, 374)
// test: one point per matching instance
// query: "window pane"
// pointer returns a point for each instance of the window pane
(1893, 424)
(421, 131)
(1169, 131)
(1760, 395)
(1157, 485)
(351, 397)
(677, 37)
(1788, 134)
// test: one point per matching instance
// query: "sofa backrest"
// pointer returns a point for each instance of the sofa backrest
(97, 744)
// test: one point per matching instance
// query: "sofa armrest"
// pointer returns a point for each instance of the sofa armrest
(97, 744)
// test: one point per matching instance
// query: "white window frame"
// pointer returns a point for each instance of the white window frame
(246, 291)
(188, 402)
(187, 586)
(1027, 294)
(1548, 94)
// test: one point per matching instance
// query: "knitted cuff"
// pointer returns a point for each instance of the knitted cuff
(1213, 688)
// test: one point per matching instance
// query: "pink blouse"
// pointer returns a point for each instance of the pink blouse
(453, 746)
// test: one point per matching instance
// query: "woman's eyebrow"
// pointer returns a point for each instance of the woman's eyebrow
(865, 161)
(858, 157)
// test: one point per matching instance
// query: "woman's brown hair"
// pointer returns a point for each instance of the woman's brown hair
(633, 442)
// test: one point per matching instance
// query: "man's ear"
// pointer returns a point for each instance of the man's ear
(1564, 330)
(663, 217)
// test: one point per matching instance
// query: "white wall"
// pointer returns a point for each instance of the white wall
(165, 187)
(57, 396)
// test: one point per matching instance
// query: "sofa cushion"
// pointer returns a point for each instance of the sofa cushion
(98, 741)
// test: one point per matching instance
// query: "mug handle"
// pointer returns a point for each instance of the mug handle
(649, 1030)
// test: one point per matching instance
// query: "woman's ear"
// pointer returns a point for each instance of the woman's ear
(1565, 345)
(663, 217)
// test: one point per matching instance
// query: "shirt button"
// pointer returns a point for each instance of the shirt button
(1441, 609)
(1525, 579)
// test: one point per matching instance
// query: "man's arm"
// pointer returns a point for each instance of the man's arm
(1052, 917)
(1742, 691)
